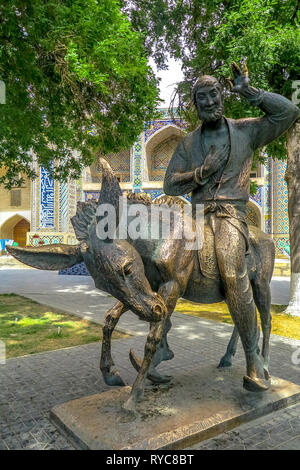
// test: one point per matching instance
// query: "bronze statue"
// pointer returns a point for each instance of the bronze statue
(148, 275)
(214, 162)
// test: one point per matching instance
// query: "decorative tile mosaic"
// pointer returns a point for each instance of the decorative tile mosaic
(268, 196)
(119, 162)
(39, 239)
(91, 195)
(72, 202)
(280, 199)
(77, 270)
(63, 206)
(155, 126)
(47, 200)
(137, 164)
(258, 196)
(161, 156)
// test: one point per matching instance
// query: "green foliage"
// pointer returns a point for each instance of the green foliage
(76, 77)
(207, 36)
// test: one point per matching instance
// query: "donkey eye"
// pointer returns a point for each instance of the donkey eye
(128, 269)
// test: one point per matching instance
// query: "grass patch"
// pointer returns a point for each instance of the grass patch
(282, 324)
(28, 327)
(282, 269)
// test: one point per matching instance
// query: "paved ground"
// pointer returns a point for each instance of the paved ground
(30, 386)
(77, 294)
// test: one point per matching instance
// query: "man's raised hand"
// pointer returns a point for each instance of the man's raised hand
(240, 81)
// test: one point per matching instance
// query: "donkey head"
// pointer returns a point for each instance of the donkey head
(118, 269)
(115, 264)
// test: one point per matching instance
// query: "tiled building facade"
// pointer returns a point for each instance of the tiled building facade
(141, 168)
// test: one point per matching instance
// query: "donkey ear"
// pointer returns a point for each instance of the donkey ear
(110, 189)
(50, 257)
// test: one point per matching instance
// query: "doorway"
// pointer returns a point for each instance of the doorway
(20, 232)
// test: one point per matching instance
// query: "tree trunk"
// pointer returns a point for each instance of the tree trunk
(293, 182)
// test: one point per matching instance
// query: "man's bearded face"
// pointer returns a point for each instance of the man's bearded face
(209, 103)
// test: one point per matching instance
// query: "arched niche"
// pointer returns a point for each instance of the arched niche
(15, 228)
(159, 150)
(119, 162)
(253, 214)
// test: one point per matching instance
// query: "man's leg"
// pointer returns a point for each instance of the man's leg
(230, 250)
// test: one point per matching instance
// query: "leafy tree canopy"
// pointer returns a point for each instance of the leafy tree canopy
(208, 35)
(76, 77)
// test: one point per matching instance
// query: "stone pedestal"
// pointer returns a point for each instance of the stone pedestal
(195, 406)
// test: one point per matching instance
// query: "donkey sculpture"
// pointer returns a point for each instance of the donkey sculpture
(147, 276)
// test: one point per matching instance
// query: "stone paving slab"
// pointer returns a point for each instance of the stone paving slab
(30, 386)
(194, 406)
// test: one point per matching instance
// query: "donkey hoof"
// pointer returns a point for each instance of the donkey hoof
(255, 385)
(152, 374)
(224, 362)
(130, 406)
(113, 378)
(157, 378)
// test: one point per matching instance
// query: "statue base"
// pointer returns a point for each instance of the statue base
(195, 406)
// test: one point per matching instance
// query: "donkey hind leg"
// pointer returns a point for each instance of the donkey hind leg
(137, 391)
(231, 350)
(170, 294)
(262, 298)
(111, 376)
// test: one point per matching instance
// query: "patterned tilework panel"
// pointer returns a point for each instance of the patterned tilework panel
(120, 163)
(63, 206)
(37, 239)
(72, 202)
(77, 270)
(268, 196)
(258, 197)
(79, 191)
(137, 163)
(161, 156)
(91, 195)
(281, 242)
(280, 199)
(47, 200)
(154, 126)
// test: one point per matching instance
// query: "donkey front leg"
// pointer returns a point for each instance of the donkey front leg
(170, 293)
(111, 376)
(231, 350)
(137, 391)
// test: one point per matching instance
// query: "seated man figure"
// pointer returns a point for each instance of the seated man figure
(214, 163)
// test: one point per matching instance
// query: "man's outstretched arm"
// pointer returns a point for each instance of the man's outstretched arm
(280, 113)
